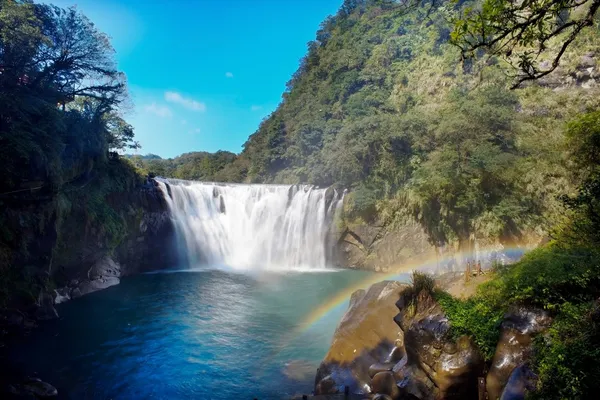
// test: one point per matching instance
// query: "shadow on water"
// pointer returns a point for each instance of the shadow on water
(209, 334)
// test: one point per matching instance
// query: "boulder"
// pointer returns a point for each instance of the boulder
(380, 367)
(385, 383)
(514, 348)
(413, 382)
(448, 367)
(87, 287)
(365, 336)
(105, 267)
(521, 381)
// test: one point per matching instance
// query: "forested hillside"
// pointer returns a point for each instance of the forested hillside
(67, 199)
(200, 165)
(383, 105)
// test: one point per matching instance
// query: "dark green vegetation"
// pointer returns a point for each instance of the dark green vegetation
(200, 166)
(531, 35)
(60, 128)
(562, 277)
(382, 105)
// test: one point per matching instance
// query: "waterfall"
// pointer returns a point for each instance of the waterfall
(252, 226)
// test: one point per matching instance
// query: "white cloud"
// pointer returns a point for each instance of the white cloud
(190, 104)
(256, 108)
(161, 111)
(228, 74)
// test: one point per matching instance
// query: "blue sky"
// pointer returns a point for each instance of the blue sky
(203, 74)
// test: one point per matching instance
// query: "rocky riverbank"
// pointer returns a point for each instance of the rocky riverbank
(395, 342)
(66, 255)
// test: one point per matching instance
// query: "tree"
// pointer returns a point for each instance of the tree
(60, 91)
(467, 177)
(526, 33)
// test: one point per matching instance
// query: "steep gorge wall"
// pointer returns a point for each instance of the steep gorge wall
(52, 239)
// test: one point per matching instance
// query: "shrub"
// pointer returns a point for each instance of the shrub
(422, 281)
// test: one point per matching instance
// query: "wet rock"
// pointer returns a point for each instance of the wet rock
(396, 354)
(384, 383)
(521, 381)
(450, 368)
(413, 382)
(380, 367)
(105, 267)
(87, 287)
(326, 385)
(365, 336)
(515, 346)
(330, 195)
(221, 205)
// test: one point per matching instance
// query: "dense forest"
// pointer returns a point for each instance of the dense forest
(199, 166)
(61, 130)
(382, 105)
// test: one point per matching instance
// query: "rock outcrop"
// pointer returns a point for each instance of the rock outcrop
(378, 248)
(409, 354)
(509, 374)
(418, 357)
(437, 366)
(366, 335)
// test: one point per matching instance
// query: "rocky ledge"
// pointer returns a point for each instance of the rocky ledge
(386, 355)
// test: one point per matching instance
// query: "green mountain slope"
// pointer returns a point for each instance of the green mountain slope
(381, 104)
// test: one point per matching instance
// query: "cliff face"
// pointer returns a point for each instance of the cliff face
(378, 247)
(83, 234)
(394, 343)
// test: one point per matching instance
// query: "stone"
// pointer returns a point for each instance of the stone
(87, 287)
(326, 385)
(380, 367)
(105, 267)
(434, 360)
(384, 383)
(521, 381)
(364, 336)
(514, 347)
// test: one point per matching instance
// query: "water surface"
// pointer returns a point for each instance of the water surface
(208, 334)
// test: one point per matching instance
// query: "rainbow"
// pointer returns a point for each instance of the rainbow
(398, 273)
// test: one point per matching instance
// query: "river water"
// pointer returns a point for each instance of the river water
(204, 334)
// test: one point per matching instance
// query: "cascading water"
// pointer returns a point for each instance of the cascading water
(252, 226)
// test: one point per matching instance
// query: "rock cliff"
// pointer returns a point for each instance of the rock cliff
(412, 354)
